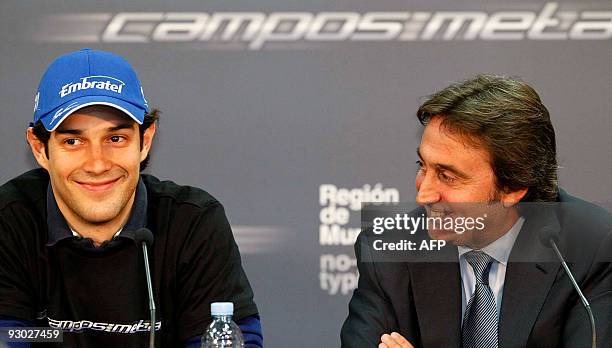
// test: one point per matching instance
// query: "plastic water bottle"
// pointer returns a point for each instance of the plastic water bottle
(222, 331)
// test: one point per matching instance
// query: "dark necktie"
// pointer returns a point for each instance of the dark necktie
(480, 319)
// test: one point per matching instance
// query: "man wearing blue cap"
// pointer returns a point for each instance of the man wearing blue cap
(67, 253)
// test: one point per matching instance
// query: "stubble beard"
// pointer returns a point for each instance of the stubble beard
(92, 212)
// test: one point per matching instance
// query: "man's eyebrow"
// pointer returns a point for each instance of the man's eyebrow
(126, 125)
(452, 169)
(446, 167)
(69, 131)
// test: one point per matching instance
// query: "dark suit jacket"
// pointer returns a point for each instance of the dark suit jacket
(540, 308)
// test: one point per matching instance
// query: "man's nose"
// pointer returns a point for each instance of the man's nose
(97, 160)
(427, 190)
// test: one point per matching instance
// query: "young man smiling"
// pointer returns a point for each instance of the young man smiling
(488, 145)
(93, 164)
(67, 253)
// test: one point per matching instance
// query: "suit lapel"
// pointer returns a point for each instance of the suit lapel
(527, 283)
(437, 298)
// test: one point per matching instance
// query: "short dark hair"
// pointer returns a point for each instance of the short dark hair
(150, 117)
(507, 117)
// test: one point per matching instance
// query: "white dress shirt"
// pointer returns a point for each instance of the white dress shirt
(499, 250)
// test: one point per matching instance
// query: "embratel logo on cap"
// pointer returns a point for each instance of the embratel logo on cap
(99, 82)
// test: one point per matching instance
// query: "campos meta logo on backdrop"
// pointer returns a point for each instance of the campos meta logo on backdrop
(256, 30)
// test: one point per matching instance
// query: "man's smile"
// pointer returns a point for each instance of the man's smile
(98, 186)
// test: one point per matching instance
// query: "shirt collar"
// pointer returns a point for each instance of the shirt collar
(500, 249)
(59, 229)
(76, 234)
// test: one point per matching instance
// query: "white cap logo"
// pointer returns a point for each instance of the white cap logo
(143, 97)
(85, 83)
(36, 101)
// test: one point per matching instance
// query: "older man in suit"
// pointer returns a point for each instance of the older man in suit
(489, 140)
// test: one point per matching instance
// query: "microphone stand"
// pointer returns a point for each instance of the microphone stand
(151, 301)
(585, 302)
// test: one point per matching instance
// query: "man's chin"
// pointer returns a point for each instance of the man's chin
(98, 218)
(98, 211)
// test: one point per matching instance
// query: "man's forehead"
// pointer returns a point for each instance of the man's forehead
(441, 135)
(440, 145)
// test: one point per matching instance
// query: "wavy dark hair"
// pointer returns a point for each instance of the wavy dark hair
(507, 117)
(150, 117)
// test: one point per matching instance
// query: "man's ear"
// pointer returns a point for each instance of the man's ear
(147, 141)
(38, 148)
(510, 198)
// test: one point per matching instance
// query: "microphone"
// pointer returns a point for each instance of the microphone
(549, 237)
(144, 236)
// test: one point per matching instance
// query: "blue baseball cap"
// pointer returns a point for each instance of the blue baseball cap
(84, 78)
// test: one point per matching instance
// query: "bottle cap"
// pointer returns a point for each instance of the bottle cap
(222, 308)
